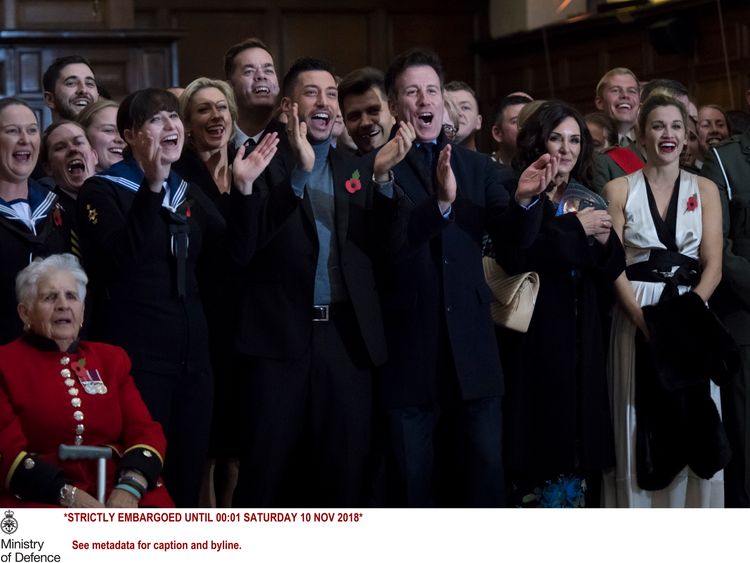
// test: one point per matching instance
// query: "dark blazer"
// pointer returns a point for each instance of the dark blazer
(277, 301)
(732, 298)
(434, 275)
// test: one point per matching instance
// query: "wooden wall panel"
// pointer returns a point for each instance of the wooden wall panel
(351, 35)
(58, 14)
(342, 38)
(209, 34)
(581, 52)
(451, 35)
(30, 73)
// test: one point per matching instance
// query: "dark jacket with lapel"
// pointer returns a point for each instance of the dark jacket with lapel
(276, 306)
(434, 272)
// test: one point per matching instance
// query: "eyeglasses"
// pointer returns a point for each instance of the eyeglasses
(449, 131)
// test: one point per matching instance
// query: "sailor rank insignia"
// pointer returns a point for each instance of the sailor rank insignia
(92, 215)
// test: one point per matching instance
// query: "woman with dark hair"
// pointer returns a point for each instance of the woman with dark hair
(671, 227)
(558, 433)
(143, 230)
(31, 217)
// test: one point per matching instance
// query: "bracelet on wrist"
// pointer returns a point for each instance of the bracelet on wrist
(129, 489)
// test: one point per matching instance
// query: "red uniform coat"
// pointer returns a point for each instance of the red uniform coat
(39, 411)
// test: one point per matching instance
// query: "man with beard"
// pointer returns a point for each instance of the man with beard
(250, 71)
(712, 130)
(310, 331)
(69, 86)
(365, 109)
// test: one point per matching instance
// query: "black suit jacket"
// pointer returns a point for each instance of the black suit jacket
(434, 275)
(278, 285)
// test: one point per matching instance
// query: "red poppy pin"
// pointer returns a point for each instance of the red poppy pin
(353, 184)
(692, 203)
(57, 216)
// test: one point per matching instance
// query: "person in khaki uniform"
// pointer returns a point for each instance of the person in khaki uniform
(728, 165)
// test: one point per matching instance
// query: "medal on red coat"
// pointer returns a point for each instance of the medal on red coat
(90, 379)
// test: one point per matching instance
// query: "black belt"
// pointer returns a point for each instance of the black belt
(659, 266)
(328, 312)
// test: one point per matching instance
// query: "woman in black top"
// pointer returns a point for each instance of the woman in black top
(32, 222)
(558, 427)
(143, 230)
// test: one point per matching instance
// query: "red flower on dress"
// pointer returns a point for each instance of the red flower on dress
(692, 203)
(353, 184)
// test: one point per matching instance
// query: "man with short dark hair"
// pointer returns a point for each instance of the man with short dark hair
(469, 118)
(442, 384)
(364, 107)
(69, 86)
(250, 71)
(505, 127)
(310, 331)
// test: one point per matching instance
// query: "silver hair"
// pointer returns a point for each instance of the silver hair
(27, 279)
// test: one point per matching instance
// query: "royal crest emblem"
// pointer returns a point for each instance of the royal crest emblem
(9, 524)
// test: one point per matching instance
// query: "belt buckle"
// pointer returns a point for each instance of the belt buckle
(324, 312)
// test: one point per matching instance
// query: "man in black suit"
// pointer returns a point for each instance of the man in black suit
(310, 327)
(442, 385)
(250, 71)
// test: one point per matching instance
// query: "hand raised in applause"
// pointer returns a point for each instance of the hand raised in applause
(297, 133)
(446, 180)
(147, 152)
(536, 178)
(394, 151)
(246, 170)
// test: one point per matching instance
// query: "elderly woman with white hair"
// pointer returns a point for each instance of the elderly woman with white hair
(56, 389)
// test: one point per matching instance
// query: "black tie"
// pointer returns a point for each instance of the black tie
(425, 151)
(250, 145)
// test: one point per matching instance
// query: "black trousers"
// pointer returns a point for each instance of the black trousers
(447, 453)
(307, 423)
(735, 412)
(182, 404)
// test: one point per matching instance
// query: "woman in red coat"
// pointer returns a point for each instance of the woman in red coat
(55, 389)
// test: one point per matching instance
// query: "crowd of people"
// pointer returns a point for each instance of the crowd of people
(268, 291)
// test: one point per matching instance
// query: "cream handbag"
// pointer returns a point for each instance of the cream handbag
(515, 296)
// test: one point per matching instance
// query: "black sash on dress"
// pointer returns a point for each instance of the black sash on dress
(658, 268)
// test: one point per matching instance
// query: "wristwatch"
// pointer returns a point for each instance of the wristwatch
(67, 495)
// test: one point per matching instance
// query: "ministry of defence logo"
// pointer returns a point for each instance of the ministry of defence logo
(9, 524)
